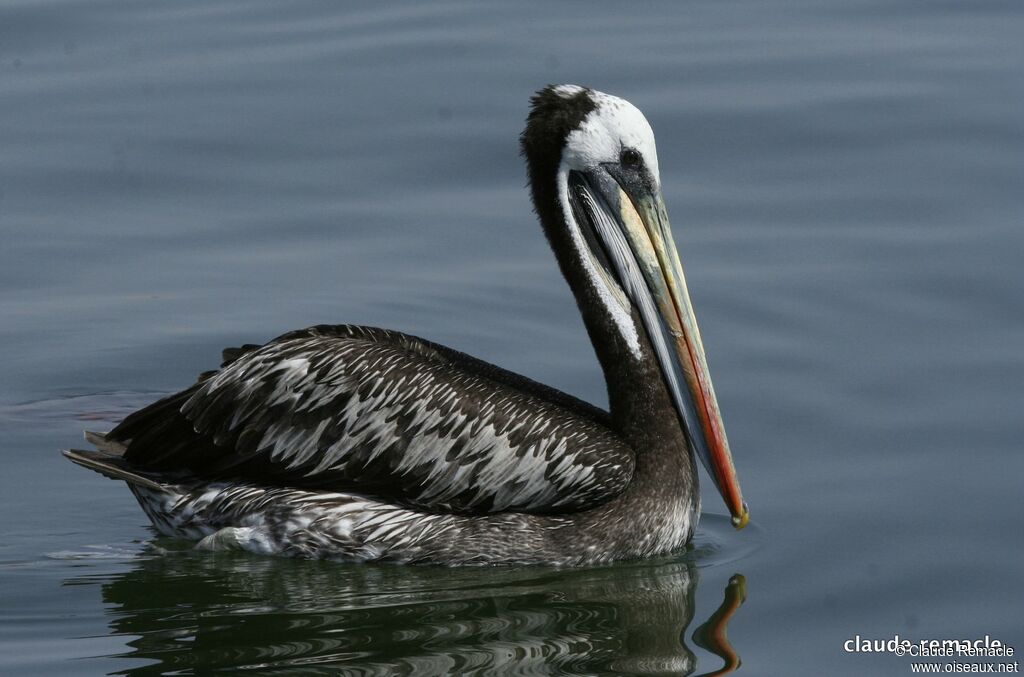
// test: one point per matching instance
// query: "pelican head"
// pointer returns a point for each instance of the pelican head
(592, 156)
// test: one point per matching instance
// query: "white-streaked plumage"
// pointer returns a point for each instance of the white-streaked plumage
(357, 443)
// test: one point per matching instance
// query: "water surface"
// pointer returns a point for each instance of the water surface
(845, 180)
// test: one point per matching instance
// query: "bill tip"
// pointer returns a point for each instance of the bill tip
(741, 520)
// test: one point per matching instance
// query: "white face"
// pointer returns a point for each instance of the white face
(612, 127)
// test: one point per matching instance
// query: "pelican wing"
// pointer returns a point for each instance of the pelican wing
(381, 413)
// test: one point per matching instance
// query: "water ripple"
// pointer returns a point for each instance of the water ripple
(228, 610)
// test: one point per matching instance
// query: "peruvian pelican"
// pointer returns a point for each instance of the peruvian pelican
(357, 443)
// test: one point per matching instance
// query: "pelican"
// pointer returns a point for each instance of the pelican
(355, 443)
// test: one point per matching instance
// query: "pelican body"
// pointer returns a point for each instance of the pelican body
(356, 443)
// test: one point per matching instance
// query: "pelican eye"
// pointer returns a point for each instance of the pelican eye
(630, 157)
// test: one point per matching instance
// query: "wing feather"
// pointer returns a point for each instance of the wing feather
(350, 408)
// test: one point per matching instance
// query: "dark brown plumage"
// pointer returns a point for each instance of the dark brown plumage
(360, 443)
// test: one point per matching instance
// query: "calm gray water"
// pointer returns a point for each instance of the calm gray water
(846, 180)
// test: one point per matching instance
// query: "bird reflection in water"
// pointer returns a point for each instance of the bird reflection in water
(711, 636)
(186, 612)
